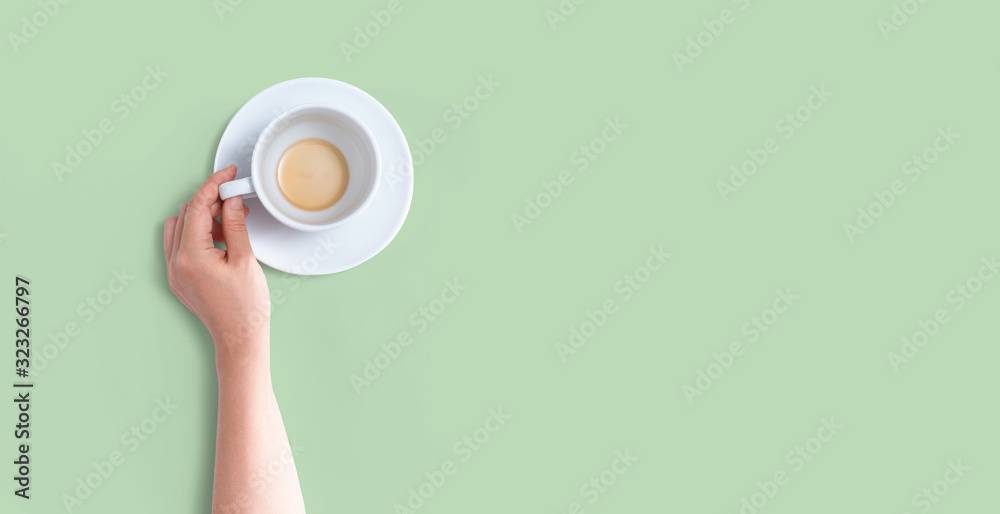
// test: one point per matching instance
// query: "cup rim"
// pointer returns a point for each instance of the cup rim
(270, 131)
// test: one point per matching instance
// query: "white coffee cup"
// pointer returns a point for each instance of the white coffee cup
(336, 126)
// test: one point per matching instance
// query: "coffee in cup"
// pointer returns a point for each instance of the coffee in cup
(312, 174)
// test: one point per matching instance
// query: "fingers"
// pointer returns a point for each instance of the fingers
(208, 193)
(217, 209)
(196, 226)
(234, 229)
(178, 230)
(198, 222)
(168, 235)
(217, 234)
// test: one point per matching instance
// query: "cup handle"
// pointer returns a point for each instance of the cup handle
(243, 186)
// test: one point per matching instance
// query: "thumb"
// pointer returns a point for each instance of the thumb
(234, 228)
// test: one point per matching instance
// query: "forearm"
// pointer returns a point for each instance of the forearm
(227, 290)
(254, 468)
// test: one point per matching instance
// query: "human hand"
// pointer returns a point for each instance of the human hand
(226, 289)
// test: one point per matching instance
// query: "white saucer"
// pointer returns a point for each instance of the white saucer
(341, 248)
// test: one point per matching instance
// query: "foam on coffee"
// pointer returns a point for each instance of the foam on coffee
(312, 174)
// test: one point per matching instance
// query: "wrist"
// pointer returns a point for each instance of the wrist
(250, 353)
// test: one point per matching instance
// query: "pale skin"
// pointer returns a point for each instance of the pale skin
(254, 468)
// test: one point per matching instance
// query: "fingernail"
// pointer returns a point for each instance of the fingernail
(236, 202)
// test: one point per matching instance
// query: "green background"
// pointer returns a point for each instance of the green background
(495, 347)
